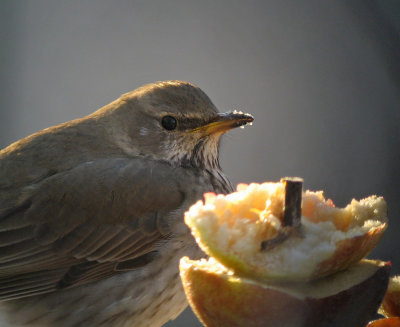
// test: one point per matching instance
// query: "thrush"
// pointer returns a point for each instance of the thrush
(91, 211)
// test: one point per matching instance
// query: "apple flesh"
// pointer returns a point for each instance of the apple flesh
(349, 298)
(233, 229)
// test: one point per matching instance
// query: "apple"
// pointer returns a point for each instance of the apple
(348, 298)
(283, 257)
(391, 303)
(385, 322)
(246, 232)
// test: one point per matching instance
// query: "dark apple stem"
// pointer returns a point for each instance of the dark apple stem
(291, 221)
(292, 206)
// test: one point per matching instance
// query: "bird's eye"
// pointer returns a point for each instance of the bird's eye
(169, 123)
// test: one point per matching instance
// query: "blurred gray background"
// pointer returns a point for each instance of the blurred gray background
(322, 79)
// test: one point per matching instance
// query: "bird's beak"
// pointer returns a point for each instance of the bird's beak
(223, 122)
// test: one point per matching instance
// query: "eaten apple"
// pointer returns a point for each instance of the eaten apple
(245, 231)
(349, 298)
(279, 256)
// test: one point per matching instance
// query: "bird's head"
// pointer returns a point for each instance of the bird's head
(177, 122)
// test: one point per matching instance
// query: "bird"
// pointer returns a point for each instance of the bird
(91, 210)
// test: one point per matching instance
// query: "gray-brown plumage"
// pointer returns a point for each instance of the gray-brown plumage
(91, 211)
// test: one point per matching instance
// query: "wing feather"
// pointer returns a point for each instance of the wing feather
(77, 226)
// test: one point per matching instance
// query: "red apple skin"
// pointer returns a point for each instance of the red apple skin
(385, 322)
(222, 300)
